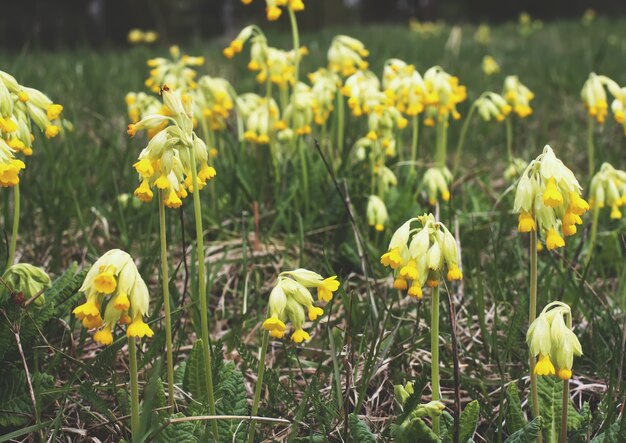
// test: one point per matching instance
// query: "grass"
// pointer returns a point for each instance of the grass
(367, 343)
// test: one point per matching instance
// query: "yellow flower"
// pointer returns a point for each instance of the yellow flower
(564, 374)
(54, 111)
(526, 222)
(143, 192)
(551, 196)
(409, 271)
(315, 312)
(105, 281)
(554, 240)
(138, 328)
(51, 131)
(173, 200)
(454, 273)
(544, 366)
(121, 302)
(274, 323)
(144, 167)
(415, 290)
(87, 309)
(326, 288)
(400, 284)
(300, 335)
(104, 336)
(90, 322)
(273, 13)
(391, 258)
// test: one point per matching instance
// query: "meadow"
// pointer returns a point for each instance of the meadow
(273, 209)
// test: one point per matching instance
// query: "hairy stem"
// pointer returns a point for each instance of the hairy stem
(434, 350)
(259, 384)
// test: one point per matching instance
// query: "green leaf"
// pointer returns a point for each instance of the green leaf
(468, 421)
(359, 431)
(195, 374)
(515, 419)
(612, 435)
(231, 400)
(528, 433)
(413, 431)
(16, 406)
(183, 432)
(179, 373)
(550, 393)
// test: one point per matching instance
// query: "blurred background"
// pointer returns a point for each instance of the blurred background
(56, 24)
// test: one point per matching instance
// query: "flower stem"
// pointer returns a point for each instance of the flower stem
(340, 119)
(590, 147)
(202, 295)
(532, 314)
(509, 138)
(259, 384)
(565, 399)
(459, 146)
(416, 128)
(595, 217)
(166, 303)
(440, 153)
(16, 224)
(434, 350)
(134, 389)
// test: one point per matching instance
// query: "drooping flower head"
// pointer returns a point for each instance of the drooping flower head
(377, 215)
(593, 95)
(443, 94)
(27, 280)
(273, 11)
(114, 280)
(548, 199)
(608, 188)
(165, 163)
(346, 55)
(291, 299)
(404, 87)
(518, 96)
(553, 342)
(435, 183)
(420, 255)
(324, 86)
(20, 107)
(490, 65)
(177, 72)
(491, 105)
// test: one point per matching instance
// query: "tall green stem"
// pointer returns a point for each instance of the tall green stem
(440, 153)
(134, 389)
(340, 122)
(259, 384)
(296, 49)
(565, 399)
(416, 128)
(166, 303)
(532, 314)
(202, 295)
(590, 147)
(434, 351)
(509, 138)
(461, 143)
(595, 217)
(16, 224)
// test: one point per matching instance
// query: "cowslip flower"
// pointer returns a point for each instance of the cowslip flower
(608, 188)
(518, 96)
(114, 278)
(324, 87)
(552, 342)
(593, 95)
(290, 298)
(490, 65)
(377, 215)
(404, 87)
(346, 55)
(420, 255)
(443, 94)
(491, 105)
(10, 167)
(165, 163)
(435, 182)
(548, 199)
(177, 72)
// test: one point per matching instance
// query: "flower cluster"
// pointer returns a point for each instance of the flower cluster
(324, 87)
(492, 105)
(443, 93)
(377, 215)
(518, 96)
(27, 280)
(608, 187)
(549, 195)
(273, 11)
(553, 342)
(136, 36)
(290, 297)
(261, 117)
(418, 255)
(212, 102)
(435, 181)
(404, 87)
(594, 96)
(490, 65)
(166, 161)
(176, 72)
(114, 278)
(346, 55)
(363, 91)
(19, 106)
